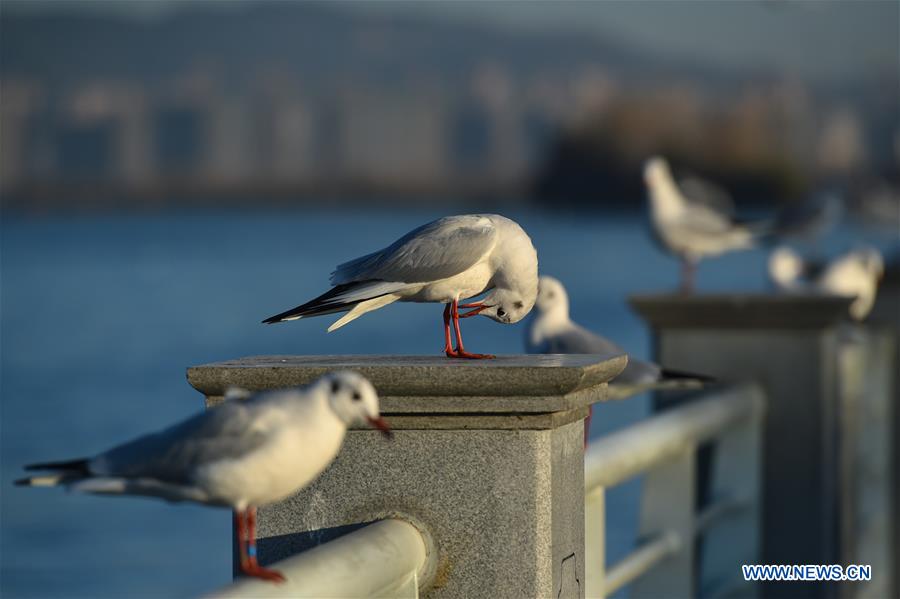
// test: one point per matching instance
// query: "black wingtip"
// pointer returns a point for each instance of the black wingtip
(80, 466)
(22, 482)
(324, 304)
(679, 374)
(282, 316)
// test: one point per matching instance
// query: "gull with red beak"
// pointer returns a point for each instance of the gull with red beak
(445, 261)
(247, 452)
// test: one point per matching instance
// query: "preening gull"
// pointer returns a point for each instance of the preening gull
(690, 230)
(451, 259)
(854, 274)
(551, 331)
(241, 454)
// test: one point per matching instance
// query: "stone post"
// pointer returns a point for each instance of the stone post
(790, 344)
(486, 460)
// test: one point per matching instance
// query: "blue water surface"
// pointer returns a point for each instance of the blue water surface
(102, 314)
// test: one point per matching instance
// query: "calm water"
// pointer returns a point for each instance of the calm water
(101, 316)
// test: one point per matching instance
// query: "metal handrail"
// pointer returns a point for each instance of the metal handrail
(640, 560)
(382, 559)
(662, 447)
(621, 455)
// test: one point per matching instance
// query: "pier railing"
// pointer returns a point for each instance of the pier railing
(664, 449)
(484, 461)
(486, 455)
(382, 559)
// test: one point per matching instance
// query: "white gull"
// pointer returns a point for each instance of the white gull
(445, 261)
(241, 454)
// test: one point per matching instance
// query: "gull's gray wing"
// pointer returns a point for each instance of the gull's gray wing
(578, 340)
(700, 191)
(437, 250)
(171, 455)
(703, 220)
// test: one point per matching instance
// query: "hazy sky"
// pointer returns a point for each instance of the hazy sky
(818, 38)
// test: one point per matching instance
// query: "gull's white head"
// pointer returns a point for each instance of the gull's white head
(785, 267)
(353, 399)
(508, 306)
(516, 276)
(656, 171)
(871, 260)
(552, 296)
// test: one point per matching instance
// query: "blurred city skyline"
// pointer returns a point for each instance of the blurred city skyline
(124, 103)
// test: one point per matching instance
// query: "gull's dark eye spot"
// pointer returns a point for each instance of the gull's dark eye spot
(518, 305)
(501, 312)
(551, 295)
(357, 396)
(335, 386)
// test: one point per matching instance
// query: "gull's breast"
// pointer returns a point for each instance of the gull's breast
(276, 470)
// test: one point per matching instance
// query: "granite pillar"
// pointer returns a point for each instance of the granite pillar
(487, 460)
(790, 344)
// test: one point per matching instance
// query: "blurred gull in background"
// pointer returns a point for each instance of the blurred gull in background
(707, 193)
(810, 220)
(690, 229)
(444, 261)
(247, 452)
(551, 331)
(854, 274)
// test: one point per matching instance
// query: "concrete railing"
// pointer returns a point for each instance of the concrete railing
(382, 559)
(828, 465)
(484, 460)
(664, 449)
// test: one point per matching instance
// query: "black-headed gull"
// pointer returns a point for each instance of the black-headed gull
(240, 454)
(690, 230)
(552, 331)
(854, 274)
(445, 261)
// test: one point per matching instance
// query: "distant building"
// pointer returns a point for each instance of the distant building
(469, 139)
(181, 139)
(291, 134)
(17, 113)
(224, 140)
(85, 151)
(841, 148)
(392, 138)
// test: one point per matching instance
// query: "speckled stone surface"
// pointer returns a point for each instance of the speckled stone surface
(433, 384)
(487, 457)
(505, 507)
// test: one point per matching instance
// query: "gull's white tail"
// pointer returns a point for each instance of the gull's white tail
(361, 308)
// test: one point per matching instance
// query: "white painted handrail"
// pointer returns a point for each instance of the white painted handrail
(640, 560)
(663, 448)
(383, 559)
(619, 456)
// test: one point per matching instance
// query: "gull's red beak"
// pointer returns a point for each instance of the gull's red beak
(476, 308)
(382, 425)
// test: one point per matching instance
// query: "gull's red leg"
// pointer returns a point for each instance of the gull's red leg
(448, 346)
(249, 565)
(241, 527)
(460, 350)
